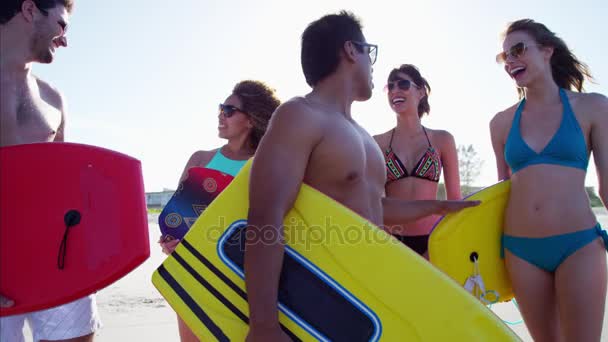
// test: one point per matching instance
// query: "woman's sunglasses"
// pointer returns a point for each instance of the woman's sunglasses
(515, 51)
(229, 110)
(402, 84)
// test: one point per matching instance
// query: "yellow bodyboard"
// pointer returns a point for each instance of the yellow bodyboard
(343, 279)
(475, 234)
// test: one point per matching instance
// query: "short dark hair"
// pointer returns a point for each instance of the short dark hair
(259, 101)
(322, 41)
(9, 8)
(568, 71)
(423, 107)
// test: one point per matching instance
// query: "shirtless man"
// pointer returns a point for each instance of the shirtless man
(32, 111)
(314, 139)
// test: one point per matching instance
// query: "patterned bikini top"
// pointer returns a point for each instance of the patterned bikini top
(428, 167)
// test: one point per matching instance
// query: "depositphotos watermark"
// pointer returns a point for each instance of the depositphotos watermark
(297, 232)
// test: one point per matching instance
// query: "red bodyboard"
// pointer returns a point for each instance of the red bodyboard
(44, 188)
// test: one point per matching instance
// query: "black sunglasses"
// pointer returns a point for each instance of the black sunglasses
(372, 50)
(515, 51)
(229, 110)
(402, 84)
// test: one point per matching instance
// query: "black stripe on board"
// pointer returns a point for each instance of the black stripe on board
(224, 278)
(313, 300)
(195, 308)
(214, 269)
(210, 288)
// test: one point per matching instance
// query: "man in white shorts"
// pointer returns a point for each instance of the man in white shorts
(76, 321)
(33, 111)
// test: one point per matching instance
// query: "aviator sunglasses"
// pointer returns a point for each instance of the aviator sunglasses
(515, 51)
(402, 84)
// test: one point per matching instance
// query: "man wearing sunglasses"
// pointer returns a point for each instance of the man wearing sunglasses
(32, 111)
(314, 139)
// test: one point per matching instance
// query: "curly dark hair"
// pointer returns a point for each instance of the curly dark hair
(423, 107)
(568, 72)
(9, 8)
(259, 101)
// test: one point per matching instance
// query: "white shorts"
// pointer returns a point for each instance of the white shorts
(75, 319)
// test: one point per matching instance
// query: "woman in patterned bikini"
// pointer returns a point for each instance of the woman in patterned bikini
(415, 155)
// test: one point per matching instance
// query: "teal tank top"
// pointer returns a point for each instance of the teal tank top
(223, 164)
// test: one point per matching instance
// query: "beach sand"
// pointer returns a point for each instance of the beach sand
(132, 310)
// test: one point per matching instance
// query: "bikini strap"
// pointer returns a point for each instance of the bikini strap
(518, 111)
(566, 103)
(390, 143)
(427, 136)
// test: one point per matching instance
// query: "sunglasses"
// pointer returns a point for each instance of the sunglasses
(515, 51)
(402, 84)
(372, 50)
(229, 110)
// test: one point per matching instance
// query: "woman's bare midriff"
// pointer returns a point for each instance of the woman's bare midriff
(413, 189)
(548, 200)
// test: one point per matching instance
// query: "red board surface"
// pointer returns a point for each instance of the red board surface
(98, 192)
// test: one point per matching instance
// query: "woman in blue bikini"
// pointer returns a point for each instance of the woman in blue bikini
(243, 118)
(555, 251)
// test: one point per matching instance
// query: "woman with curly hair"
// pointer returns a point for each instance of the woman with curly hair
(243, 118)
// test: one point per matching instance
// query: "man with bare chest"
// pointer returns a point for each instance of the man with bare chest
(32, 111)
(314, 139)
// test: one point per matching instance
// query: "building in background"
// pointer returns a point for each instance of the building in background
(158, 200)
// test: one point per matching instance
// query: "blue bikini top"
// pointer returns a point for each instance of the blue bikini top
(566, 148)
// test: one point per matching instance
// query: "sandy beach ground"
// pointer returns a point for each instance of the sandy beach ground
(132, 309)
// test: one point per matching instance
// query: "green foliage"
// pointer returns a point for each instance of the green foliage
(593, 198)
(469, 165)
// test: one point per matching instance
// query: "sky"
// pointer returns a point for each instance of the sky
(145, 77)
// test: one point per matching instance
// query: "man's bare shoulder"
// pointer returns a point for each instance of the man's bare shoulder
(297, 113)
(297, 105)
(50, 94)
